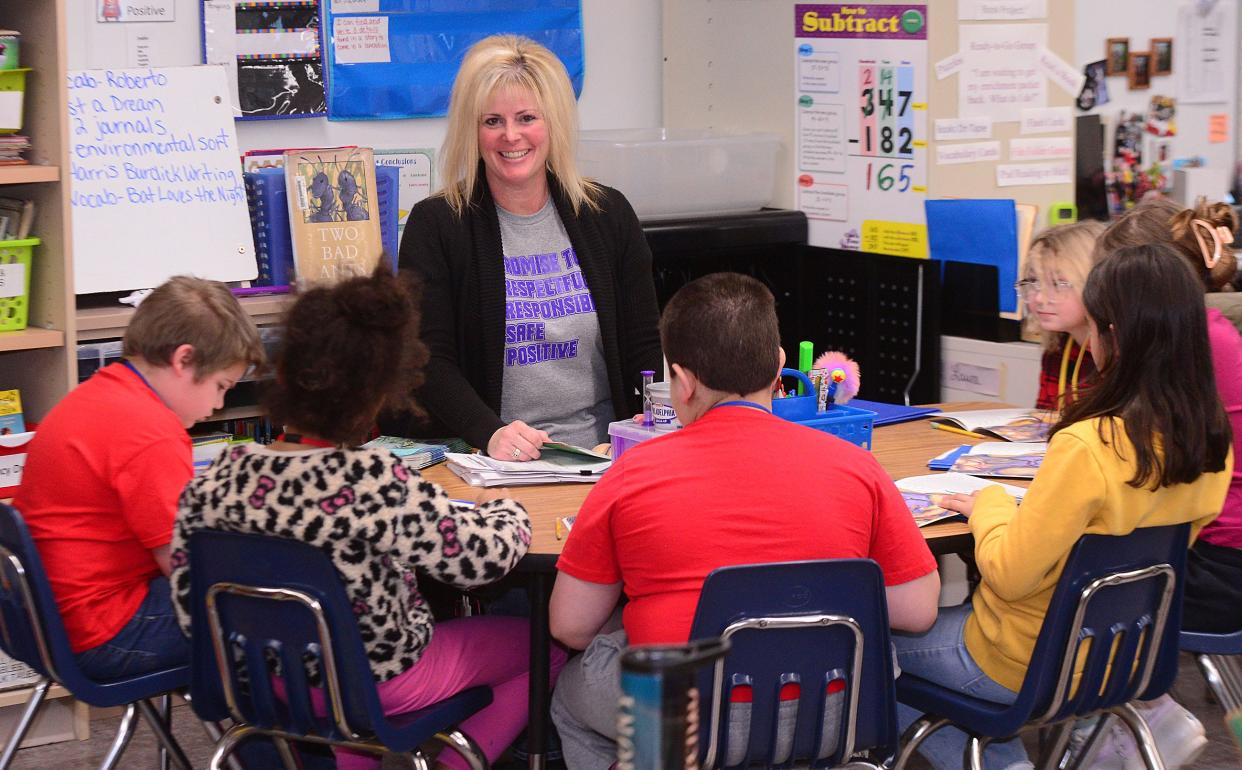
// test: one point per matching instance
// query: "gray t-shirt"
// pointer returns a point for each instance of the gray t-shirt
(555, 377)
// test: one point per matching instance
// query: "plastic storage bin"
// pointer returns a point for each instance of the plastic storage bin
(846, 422)
(625, 434)
(94, 356)
(12, 96)
(15, 261)
(666, 173)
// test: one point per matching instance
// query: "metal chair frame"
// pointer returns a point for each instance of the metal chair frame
(1053, 754)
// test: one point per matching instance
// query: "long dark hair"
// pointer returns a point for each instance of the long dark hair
(1157, 376)
(348, 351)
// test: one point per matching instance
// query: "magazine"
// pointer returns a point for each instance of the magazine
(1004, 459)
(1007, 424)
(923, 494)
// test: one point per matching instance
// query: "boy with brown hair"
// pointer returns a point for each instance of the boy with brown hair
(106, 467)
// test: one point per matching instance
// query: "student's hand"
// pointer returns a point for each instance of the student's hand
(516, 441)
(959, 503)
(488, 494)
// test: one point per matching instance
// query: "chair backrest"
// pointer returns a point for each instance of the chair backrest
(810, 623)
(30, 626)
(31, 629)
(258, 602)
(1117, 610)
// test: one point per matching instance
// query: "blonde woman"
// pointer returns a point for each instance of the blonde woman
(539, 306)
(1057, 264)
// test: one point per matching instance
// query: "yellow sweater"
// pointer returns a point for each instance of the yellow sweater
(1080, 489)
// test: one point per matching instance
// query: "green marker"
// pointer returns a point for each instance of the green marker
(806, 355)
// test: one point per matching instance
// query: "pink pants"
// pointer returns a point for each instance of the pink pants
(463, 653)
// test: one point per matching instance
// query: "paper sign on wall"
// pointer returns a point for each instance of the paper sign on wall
(1047, 120)
(963, 128)
(361, 39)
(1001, 75)
(1218, 128)
(1041, 148)
(1014, 174)
(997, 10)
(970, 152)
(861, 125)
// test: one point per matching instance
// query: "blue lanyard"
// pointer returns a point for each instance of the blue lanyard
(740, 402)
(134, 369)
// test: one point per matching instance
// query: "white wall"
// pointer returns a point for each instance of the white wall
(1141, 20)
(621, 88)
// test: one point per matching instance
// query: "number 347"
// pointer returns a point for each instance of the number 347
(885, 180)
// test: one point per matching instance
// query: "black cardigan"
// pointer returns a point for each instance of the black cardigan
(459, 259)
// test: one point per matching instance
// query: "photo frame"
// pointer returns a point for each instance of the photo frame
(1139, 71)
(1117, 56)
(1161, 56)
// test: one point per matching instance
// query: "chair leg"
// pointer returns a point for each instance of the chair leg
(166, 718)
(1142, 736)
(24, 722)
(1052, 753)
(418, 760)
(129, 720)
(466, 747)
(914, 735)
(1085, 756)
(286, 753)
(1216, 670)
(215, 732)
(226, 744)
(972, 758)
(163, 734)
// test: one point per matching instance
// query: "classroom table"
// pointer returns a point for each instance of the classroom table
(902, 449)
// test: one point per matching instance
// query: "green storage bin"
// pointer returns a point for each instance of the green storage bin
(15, 309)
(12, 96)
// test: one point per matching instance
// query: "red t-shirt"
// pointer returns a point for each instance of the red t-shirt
(737, 486)
(98, 492)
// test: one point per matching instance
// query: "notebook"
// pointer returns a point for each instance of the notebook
(1002, 459)
(889, 414)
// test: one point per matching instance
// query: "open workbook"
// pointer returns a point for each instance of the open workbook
(923, 493)
(1002, 459)
(1007, 424)
(557, 463)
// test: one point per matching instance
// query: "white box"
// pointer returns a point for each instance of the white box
(976, 370)
(668, 173)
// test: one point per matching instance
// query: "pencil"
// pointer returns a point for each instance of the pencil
(560, 528)
(959, 431)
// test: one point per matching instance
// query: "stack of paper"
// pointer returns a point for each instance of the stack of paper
(923, 493)
(416, 454)
(11, 148)
(554, 467)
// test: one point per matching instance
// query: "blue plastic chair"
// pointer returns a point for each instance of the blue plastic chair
(810, 623)
(258, 600)
(1212, 652)
(31, 631)
(1121, 592)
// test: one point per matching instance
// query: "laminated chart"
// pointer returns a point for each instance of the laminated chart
(274, 55)
(398, 58)
(861, 126)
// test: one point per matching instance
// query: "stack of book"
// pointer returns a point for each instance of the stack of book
(416, 454)
(11, 148)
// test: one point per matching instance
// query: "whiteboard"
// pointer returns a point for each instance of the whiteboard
(156, 186)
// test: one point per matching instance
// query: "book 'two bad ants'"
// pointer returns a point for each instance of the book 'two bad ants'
(333, 213)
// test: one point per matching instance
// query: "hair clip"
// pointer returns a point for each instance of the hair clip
(1221, 236)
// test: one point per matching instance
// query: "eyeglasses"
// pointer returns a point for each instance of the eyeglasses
(1029, 287)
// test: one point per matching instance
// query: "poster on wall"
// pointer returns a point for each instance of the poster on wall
(861, 112)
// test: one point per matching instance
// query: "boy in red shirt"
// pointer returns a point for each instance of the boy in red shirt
(106, 467)
(736, 485)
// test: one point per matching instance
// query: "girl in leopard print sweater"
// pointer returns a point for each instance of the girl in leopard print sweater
(348, 352)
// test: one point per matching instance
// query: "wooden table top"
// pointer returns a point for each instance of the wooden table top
(902, 449)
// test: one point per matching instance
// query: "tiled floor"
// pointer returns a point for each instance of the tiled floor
(1189, 690)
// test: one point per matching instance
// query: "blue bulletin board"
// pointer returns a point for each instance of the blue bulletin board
(391, 59)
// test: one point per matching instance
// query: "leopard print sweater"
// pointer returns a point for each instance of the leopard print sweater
(376, 520)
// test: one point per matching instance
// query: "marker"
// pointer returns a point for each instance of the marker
(648, 378)
(958, 431)
(806, 355)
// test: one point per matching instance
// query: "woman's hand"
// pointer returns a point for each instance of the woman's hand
(516, 441)
(963, 504)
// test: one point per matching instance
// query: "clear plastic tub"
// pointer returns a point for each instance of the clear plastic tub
(625, 434)
(667, 173)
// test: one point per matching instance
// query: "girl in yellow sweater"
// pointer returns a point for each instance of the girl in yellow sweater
(1147, 445)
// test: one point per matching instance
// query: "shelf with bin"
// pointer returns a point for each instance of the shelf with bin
(31, 338)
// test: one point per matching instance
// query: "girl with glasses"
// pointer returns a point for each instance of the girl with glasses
(1057, 264)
